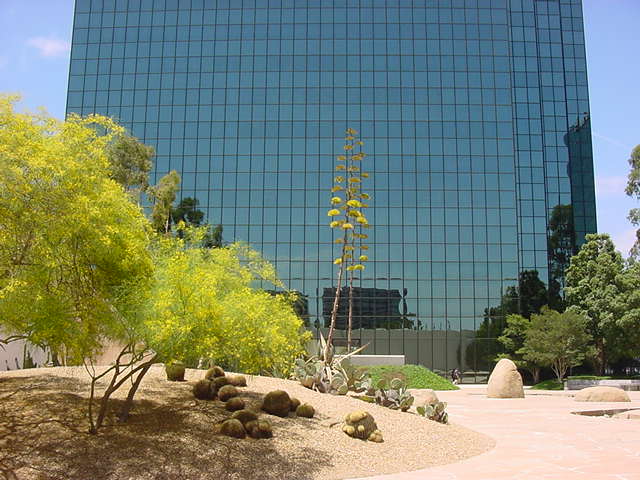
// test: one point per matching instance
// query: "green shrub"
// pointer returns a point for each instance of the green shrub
(551, 384)
(416, 376)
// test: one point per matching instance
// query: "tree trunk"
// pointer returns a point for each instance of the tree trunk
(601, 359)
(334, 314)
(535, 373)
(350, 313)
(126, 407)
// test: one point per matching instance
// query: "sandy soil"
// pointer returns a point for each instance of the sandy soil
(170, 435)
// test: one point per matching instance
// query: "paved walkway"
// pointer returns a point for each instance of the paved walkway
(538, 438)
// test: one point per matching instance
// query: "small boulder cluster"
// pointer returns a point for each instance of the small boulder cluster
(244, 422)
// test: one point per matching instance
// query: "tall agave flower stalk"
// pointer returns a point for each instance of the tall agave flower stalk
(348, 202)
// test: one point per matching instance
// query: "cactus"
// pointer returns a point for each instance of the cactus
(360, 424)
(260, 429)
(237, 380)
(204, 390)
(305, 410)
(434, 411)
(234, 403)
(220, 382)
(393, 395)
(214, 372)
(233, 428)
(356, 379)
(227, 392)
(245, 416)
(175, 371)
(277, 403)
(337, 377)
(293, 404)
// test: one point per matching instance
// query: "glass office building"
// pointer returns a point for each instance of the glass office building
(475, 117)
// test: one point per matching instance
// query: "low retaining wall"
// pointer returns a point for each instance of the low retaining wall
(369, 360)
(629, 385)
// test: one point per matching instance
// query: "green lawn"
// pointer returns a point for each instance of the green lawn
(416, 376)
(552, 384)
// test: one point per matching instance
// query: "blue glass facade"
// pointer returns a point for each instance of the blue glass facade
(474, 114)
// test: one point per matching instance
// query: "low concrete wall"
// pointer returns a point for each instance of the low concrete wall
(629, 385)
(376, 359)
(12, 355)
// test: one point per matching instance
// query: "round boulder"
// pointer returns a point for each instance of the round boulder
(277, 403)
(505, 381)
(602, 394)
(429, 396)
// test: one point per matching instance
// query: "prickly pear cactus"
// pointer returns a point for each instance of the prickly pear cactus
(434, 411)
(393, 395)
(360, 424)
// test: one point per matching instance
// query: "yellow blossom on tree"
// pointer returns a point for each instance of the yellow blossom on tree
(337, 188)
(338, 179)
(340, 167)
(336, 200)
(342, 158)
(354, 180)
(347, 226)
(333, 212)
(334, 224)
(348, 147)
(358, 267)
(363, 258)
(337, 261)
(354, 203)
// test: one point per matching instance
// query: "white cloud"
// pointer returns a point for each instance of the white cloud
(610, 186)
(49, 46)
(624, 241)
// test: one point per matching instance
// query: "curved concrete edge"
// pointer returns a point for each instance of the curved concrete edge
(538, 437)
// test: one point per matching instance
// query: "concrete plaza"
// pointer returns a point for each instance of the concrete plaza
(539, 438)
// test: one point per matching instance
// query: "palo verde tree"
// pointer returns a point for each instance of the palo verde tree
(203, 305)
(72, 241)
(347, 213)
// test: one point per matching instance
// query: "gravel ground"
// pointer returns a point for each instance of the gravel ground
(170, 435)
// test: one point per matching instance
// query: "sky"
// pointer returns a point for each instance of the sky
(35, 38)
